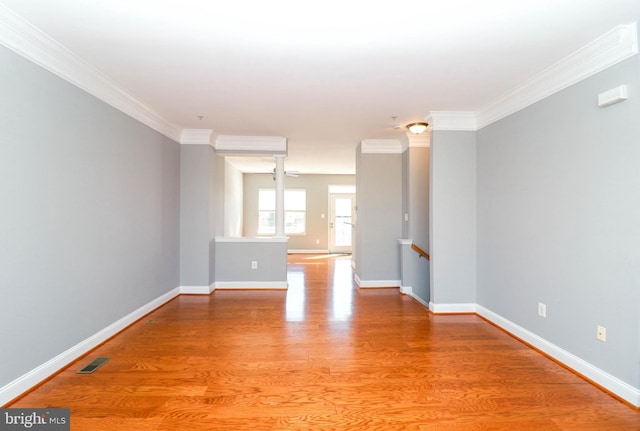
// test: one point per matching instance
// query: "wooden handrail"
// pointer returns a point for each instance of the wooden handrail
(420, 251)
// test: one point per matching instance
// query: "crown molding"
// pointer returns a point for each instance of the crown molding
(23, 38)
(196, 136)
(251, 144)
(452, 120)
(382, 146)
(28, 41)
(609, 49)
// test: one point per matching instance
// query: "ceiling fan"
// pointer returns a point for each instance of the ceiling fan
(287, 173)
(415, 128)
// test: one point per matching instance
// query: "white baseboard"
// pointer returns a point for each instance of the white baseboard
(611, 383)
(307, 251)
(32, 378)
(452, 308)
(373, 284)
(40, 373)
(197, 290)
(408, 290)
(251, 285)
(602, 378)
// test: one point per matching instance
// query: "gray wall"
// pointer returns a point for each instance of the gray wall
(202, 194)
(453, 217)
(405, 194)
(379, 180)
(418, 173)
(317, 187)
(416, 270)
(234, 261)
(217, 194)
(89, 222)
(194, 215)
(558, 220)
(356, 259)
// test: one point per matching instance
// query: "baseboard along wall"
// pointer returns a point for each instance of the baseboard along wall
(591, 373)
(595, 375)
(27, 381)
(374, 284)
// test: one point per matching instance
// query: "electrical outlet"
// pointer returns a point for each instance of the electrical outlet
(601, 333)
(317, 241)
(542, 309)
(254, 264)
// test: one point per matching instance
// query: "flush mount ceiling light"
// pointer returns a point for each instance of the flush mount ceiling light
(417, 128)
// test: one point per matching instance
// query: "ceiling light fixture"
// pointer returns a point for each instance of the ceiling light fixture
(417, 128)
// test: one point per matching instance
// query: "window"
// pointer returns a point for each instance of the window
(295, 211)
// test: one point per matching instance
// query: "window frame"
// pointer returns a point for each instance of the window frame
(260, 228)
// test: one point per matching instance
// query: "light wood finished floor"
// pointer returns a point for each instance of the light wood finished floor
(323, 356)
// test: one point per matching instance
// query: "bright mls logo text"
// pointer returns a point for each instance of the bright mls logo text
(36, 419)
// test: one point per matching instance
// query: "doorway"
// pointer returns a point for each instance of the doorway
(341, 222)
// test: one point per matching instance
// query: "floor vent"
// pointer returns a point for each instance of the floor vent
(94, 365)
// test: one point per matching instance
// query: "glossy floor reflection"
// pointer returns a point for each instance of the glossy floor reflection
(338, 294)
(323, 355)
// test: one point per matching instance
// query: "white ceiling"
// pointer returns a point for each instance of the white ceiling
(327, 74)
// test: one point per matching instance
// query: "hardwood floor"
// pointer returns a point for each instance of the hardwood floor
(322, 356)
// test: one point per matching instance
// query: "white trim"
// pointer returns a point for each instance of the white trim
(196, 136)
(251, 239)
(196, 290)
(40, 373)
(611, 383)
(609, 49)
(452, 308)
(452, 120)
(308, 251)
(372, 284)
(406, 290)
(251, 285)
(251, 144)
(410, 293)
(382, 146)
(604, 379)
(405, 241)
(23, 38)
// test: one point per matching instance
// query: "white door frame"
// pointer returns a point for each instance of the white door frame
(333, 248)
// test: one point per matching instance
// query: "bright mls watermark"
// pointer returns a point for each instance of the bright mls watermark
(34, 419)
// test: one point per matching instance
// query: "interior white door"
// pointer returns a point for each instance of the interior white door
(341, 218)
